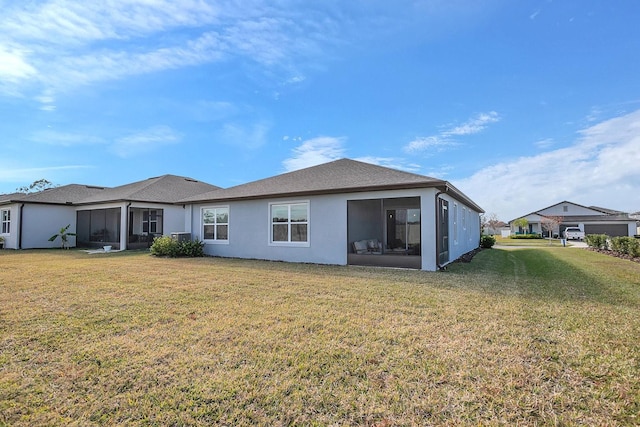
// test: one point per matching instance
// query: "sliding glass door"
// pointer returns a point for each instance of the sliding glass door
(403, 231)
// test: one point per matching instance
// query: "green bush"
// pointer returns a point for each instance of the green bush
(166, 246)
(597, 241)
(526, 236)
(487, 241)
(626, 245)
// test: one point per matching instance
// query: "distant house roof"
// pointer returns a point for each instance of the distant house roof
(339, 176)
(66, 194)
(607, 215)
(161, 189)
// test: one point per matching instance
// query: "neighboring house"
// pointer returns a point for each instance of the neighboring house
(342, 212)
(123, 217)
(591, 220)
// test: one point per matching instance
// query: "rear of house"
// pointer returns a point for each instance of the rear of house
(323, 213)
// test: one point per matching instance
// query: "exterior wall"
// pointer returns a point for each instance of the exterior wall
(43, 221)
(249, 227)
(467, 222)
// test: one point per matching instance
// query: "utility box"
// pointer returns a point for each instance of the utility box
(181, 236)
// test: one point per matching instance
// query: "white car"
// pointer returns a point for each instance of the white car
(573, 233)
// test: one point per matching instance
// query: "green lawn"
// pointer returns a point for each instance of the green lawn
(541, 336)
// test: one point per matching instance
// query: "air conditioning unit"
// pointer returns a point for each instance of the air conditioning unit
(181, 236)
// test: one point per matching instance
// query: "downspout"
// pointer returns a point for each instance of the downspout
(126, 239)
(20, 227)
(437, 218)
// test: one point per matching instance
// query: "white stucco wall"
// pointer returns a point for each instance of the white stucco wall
(43, 221)
(467, 222)
(571, 209)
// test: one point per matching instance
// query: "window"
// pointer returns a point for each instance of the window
(455, 223)
(565, 208)
(289, 223)
(5, 218)
(152, 221)
(215, 223)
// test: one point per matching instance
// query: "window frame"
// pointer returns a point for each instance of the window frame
(5, 224)
(215, 224)
(289, 242)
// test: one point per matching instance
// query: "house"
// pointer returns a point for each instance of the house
(124, 217)
(342, 212)
(591, 220)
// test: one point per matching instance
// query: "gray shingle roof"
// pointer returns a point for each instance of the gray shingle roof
(161, 189)
(339, 176)
(7, 198)
(65, 194)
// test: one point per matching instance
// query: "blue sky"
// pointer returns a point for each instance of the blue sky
(519, 104)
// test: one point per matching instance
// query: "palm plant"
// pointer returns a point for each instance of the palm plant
(64, 236)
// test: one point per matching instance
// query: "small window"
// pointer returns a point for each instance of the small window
(215, 224)
(565, 208)
(289, 223)
(5, 219)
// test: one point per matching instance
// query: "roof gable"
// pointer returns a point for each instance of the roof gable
(339, 176)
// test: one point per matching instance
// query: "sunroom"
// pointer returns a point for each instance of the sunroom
(384, 232)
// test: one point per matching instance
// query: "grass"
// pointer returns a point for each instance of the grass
(540, 336)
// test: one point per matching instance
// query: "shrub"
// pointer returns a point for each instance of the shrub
(626, 245)
(166, 246)
(487, 241)
(597, 241)
(526, 236)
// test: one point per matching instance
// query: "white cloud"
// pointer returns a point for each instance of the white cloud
(64, 139)
(145, 141)
(474, 125)
(444, 140)
(435, 143)
(29, 175)
(600, 168)
(390, 162)
(61, 44)
(314, 152)
(246, 136)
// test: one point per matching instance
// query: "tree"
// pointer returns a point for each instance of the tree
(550, 223)
(39, 185)
(521, 223)
(491, 222)
(64, 236)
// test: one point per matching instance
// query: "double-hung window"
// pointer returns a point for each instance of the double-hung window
(215, 223)
(5, 219)
(289, 223)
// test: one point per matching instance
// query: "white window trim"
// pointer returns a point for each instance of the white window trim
(215, 241)
(270, 224)
(2, 221)
(455, 223)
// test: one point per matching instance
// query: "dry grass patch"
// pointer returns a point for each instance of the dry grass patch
(531, 336)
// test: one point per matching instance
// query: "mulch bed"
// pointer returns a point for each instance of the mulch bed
(615, 254)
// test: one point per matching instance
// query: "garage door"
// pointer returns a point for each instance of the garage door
(612, 230)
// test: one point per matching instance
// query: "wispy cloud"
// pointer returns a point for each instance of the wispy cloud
(446, 139)
(28, 175)
(145, 141)
(314, 152)
(600, 168)
(326, 149)
(61, 44)
(65, 139)
(474, 125)
(249, 136)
